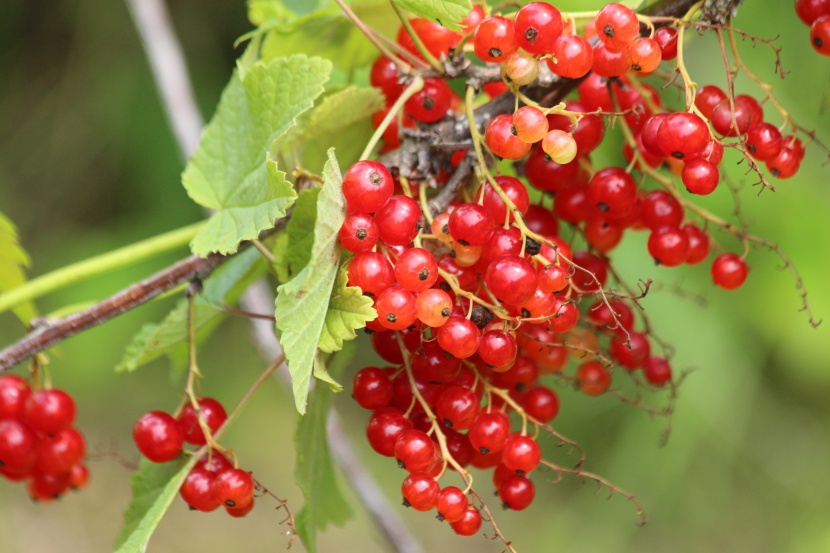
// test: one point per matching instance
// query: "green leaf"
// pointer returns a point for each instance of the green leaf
(302, 303)
(300, 230)
(280, 264)
(224, 287)
(448, 13)
(13, 261)
(315, 473)
(348, 310)
(342, 121)
(328, 33)
(155, 486)
(268, 12)
(231, 171)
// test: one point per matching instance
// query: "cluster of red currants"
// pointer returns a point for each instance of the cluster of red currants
(38, 442)
(214, 480)
(816, 15)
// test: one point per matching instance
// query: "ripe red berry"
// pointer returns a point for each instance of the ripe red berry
(700, 176)
(573, 57)
(437, 39)
(530, 123)
(729, 122)
(820, 35)
(471, 224)
(459, 337)
(197, 490)
(763, 141)
(810, 10)
(420, 491)
(610, 63)
(414, 450)
(367, 186)
(384, 75)
(657, 370)
(60, 451)
(683, 135)
(359, 232)
(489, 432)
(698, 244)
(239, 512)
(233, 488)
(502, 138)
(213, 413)
(457, 407)
(617, 26)
(431, 103)
(644, 55)
(633, 357)
(396, 308)
(495, 40)
(158, 436)
(49, 411)
(707, 98)
(729, 271)
(451, 504)
(668, 246)
(516, 492)
(787, 161)
(593, 378)
(78, 477)
(18, 446)
(384, 428)
(371, 388)
(613, 191)
(521, 453)
(48, 486)
(14, 393)
(666, 37)
(541, 403)
(399, 220)
(469, 525)
(537, 26)
(512, 279)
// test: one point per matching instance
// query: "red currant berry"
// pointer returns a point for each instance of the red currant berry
(573, 57)
(521, 453)
(707, 98)
(414, 450)
(213, 414)
(502, 138)
(451, 504)
(512, 279)
(593, 378)
(58, 452)
(469, 525)
(495, 39)
(239, 512)
(471, 224)
(613, 191)
(367, 186)
(78, 477)
(18, 446)
(644, 55)
(498, 348)
(810, 10)
(668, 246)
(617, 26)
(657, 371)
(698, 244)
(537, 26)
(820, 35)
(516, 492)
(437, 39)
(559, 146)
(431, 103)
(359, 232)
(49, 411)
(666, 37)
(197, 490)
(384, 428)
(457, 407)
(630, 357)
(14, 393)
(371, 388)
(459, 337)
(729, 271)
(371, 272)
(787, 161)
(609, 63)
(489, 432)
(514, 189)
(233, 488)
(660, 209)
(159, 436)
(530, 123)
(700, 176)
(729, 122)
(763, 141)
(416, 270)
(384, 75)
(541, 403)
(683, 135)
(420, 491)
(399, 221)
(214, 462)
(47, 486)
(396, 308)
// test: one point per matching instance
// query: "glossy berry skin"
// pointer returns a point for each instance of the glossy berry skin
(498, 348)
(668, 246)
(660, 209)
(399, 220)
(359, 232)
(396, 308)
(649, 137)
(239, 512)
(384, 75)
(371, 388)
(698, 244)
(459, 337)
(541, 403)
(644, 55)
(49, 411)
(820, 35)
(707, 98)
(159, 436)
(431, 103)
(18, 446)
(457, 407)
(197, 490)
(593, 378)
(666, 37)
(214, 462)
(501, 137)
(495, 39)
(371, 272)
(416, 270)
(514, 189)
(451, 504)
(521, 454)
(560, 146)
(78, 477)
(512, 279)
(537, 26)
(433, 307)
(213, 413)
(787, 161)
(609, 63)
(810, 10)
(657, 371)
(384, 428)
(489, 432)
(729, 271)
(367, 186)
(47, 486)
(590, 262)
(60, 451)
(530, 124)
(617, 26)
(516, 492)
(574, 57)
(613, 191)
(546, 175)
(729, 122)
(683, 135)
(437, 39)
(634, 357)
(14, 393)
(414, 450)
(233, 488)
(471, 224)
(420, 490)
(763, 141)
(469, 525)
(700, 176)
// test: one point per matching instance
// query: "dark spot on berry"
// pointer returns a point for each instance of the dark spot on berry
(636, 67)
(678, 155)
(463, 242)
(448, 423)
(751, 148)
(520, 473)
(775, 172)
(608, 31)
(445, 287)
(532, 247)
(391, 317)
(230, 503)
(494, 53)
(376, 178)
(406, 503)
(483, 450)
(428, 103)
(440, 517)
(446, 312)
(423, 275)
(452, 254)
(401, 464)
(513, 131)
(525, 313)
(818, 42)
(361, 234)
(481, 316)
(604, 207)
(531, 34)
(368, 330)
(445, 229)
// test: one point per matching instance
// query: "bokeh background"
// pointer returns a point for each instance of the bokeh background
(88, 164)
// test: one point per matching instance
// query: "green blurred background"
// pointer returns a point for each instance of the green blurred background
(87, 164)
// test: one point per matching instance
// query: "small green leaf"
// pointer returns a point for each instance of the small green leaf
(447, 13)
(280, 264)
(348, 310)
(155, 486)
(315, 473)
(224, 287)
(342, 121)
(13, 261)
(302, 303)
(268, 12)
(231, 171)
(300, 230)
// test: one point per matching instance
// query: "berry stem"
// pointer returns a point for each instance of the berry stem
(419, 44)
(372, 36)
